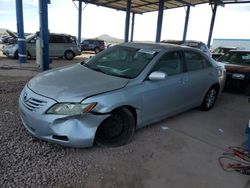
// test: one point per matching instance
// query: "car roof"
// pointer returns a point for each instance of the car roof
(182, 42)
(193, 41)
(157, 46)
(62, 34)
(94, 39)
(172, 41)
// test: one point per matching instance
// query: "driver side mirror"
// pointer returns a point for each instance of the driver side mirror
(157, 76)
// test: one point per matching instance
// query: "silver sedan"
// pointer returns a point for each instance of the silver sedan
(106, 98)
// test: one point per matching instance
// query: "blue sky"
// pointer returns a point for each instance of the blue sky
(232, 21)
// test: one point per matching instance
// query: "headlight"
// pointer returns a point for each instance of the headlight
(71, 108)
(221, 73)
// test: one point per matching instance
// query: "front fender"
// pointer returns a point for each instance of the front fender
(109, 101)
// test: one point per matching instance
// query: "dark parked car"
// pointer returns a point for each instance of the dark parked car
(191, 43)
(221, 51)
(237, 64)
(93, 45)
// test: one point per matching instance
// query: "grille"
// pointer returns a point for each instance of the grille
(33, 104)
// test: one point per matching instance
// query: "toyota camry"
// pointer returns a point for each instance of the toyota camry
(106, 98)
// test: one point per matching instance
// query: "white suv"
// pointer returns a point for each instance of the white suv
(60, 45)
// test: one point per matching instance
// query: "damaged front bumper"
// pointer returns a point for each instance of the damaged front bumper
(73, 131)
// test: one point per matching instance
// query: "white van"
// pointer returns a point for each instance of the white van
(60, 45)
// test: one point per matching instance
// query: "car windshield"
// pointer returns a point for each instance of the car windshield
(222, 50)
(241, 58)
(121, 61)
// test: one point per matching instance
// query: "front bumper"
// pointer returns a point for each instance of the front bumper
(73, 131)
(237, 80)
(9, 51)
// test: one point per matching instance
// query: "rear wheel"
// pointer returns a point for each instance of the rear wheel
(118, 129)
(209, 99)
(16, 56)
(69, 55)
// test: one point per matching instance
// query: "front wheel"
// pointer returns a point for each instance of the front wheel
(209, 99)
(69, 55)
(118, 129)
(29, 56)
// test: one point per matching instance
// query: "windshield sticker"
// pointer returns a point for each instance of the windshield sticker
(147, 51)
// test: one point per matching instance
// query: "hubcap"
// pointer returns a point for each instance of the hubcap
(114, 127)
(211, 96)
(69, 55)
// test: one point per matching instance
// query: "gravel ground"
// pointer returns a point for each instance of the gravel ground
(158, 156)
(25, 161)
(28, 162)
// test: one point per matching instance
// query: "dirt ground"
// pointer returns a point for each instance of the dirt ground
(181, 151)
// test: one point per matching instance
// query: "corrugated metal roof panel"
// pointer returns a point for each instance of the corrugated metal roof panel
(142, 6)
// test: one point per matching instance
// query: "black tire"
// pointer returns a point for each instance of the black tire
(16, 56)
(247, 90)
(28, 56)
(97, 50)
(209, 99)
(69, 55)
(116, 130)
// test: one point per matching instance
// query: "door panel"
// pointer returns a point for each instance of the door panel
(199, 72)
(165, 97)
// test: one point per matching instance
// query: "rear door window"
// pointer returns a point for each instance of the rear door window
(195, 61)
(170, 63)
(85, 42)
(56, 39)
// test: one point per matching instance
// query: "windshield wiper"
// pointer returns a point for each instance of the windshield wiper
(120, 75)
(97, 69)
(93, 68)
(88, 66)
(104, 72)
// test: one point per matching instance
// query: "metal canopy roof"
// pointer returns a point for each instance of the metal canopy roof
(143, 6)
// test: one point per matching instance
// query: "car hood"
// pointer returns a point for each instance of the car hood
(237, 68)
(12, 34)
(74, 83)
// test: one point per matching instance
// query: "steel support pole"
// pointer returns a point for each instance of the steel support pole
(159, 21)
(44, 33)
(214, 10)
(20, 30)
(79, 21)
(132, 28)
(127, 20)
(186, 23)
